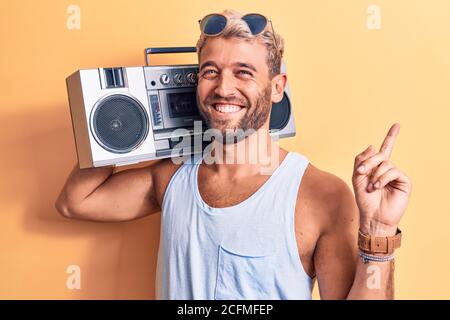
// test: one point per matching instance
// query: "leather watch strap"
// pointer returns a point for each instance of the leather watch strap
(371, 244)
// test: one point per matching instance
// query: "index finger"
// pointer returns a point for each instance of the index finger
(388, 142)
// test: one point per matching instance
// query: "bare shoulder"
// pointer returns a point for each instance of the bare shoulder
(317, 209)
(328, 231)
(325, 194)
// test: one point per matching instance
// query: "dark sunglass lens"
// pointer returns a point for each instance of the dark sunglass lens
(214, 24)
(255, 22)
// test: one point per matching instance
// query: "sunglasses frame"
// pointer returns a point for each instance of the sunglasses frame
(226, 24)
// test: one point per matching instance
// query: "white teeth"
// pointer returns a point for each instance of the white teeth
(227, 108)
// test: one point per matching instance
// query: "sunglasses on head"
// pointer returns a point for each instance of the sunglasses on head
(214, 24)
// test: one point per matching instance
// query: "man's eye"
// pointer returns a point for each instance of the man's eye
(245, 72)
(208, 72)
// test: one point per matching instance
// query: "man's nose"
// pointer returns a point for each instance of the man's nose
(226, 85)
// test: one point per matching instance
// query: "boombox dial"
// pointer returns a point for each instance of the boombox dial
(178, 78)
(165, 79)
(191, 77)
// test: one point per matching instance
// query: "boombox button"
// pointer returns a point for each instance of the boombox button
(162, 144)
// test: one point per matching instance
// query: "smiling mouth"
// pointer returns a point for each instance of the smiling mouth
(227, 108)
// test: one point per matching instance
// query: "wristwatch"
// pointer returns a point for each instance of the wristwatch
(371, 244)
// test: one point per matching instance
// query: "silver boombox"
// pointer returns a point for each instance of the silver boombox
(126, 115)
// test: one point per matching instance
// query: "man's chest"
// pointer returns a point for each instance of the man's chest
(220, 193)
(217, 194)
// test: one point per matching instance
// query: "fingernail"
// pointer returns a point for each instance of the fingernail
(361, 168)
(377, 184)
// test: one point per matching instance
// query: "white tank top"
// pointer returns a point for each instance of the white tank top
(245, 251)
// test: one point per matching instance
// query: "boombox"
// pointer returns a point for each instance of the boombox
(125, 115)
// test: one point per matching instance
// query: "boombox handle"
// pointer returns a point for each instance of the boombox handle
(167, 50)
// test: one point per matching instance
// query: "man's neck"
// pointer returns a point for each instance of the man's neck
(254, 155)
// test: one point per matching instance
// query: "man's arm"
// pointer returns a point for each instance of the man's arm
(381, 196)
(341, 273)
(336, 253)
(98, 194)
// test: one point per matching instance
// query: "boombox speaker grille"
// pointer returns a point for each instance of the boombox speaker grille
(119, 123)
(279, 116)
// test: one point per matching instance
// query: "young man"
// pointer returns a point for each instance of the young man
(227, 230)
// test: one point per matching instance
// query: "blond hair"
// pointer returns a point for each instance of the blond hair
(236, 27)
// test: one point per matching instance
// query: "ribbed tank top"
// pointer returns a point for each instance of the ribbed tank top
(245, 251)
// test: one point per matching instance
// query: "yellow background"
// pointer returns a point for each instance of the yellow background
(348, 83)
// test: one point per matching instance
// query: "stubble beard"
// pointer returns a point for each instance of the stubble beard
(253, 119)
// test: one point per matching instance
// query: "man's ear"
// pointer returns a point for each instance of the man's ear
(278, 85)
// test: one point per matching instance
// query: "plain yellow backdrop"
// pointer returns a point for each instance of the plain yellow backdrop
(349, 83)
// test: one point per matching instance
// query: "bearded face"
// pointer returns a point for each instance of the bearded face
(234, 89)
(229, 114)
